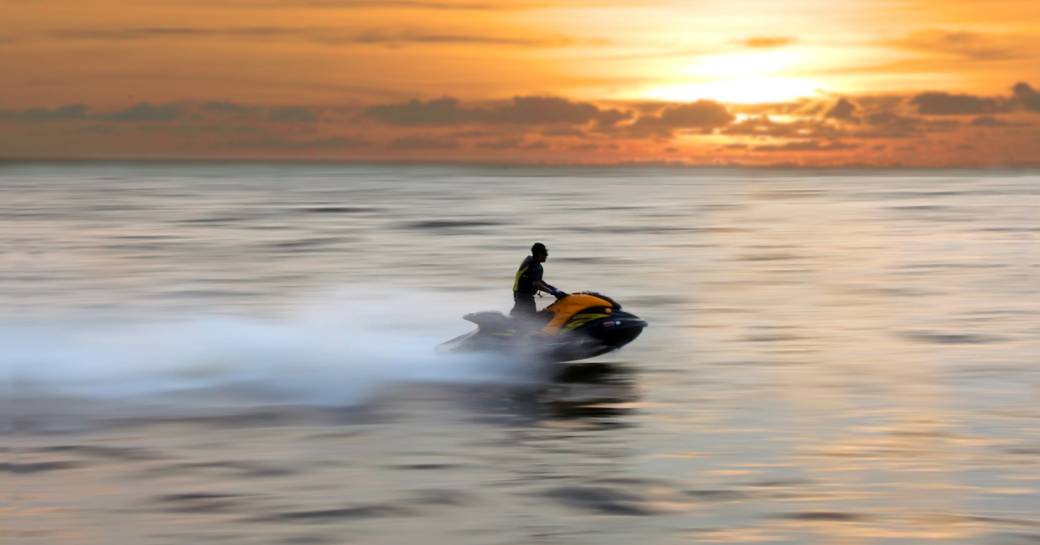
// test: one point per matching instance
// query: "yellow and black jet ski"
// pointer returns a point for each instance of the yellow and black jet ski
(577, 326)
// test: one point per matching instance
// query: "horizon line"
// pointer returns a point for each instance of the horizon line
(4, 161)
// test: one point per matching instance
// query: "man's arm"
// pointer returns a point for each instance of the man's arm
(547, 288)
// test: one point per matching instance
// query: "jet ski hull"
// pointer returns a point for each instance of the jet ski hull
(586, 326)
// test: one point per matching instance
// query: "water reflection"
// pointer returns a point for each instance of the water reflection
(840, 358)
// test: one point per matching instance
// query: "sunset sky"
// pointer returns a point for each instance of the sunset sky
(746, 82)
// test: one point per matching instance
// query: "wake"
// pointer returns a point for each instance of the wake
(338, 351)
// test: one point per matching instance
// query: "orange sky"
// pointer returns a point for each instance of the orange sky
(755, 82)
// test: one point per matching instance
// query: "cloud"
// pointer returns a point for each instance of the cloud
(990, 121)
(606, 119)
(806, 145)
(394, 4)
(195, 127)
(942, 103)
(385, 4)
(71, 111)
(441, 111)
(800, 107)
(513, 143)
(892, 120)
(563, 131)
(231, 108)
(148, 33)
(420, 142)
(700, 114)
(867, 117)
(1023, 97)
(404, 37)
(145, 111)
(843, 110)
(767, 42)
(435, 5)
(890, 124)
(282, 143)
(521, 110)
(539, 110)
(501, 144)
(542, 110)
(763, 127)
(292, 114)
(553, 128)
(703, 115)
(223, 109)
(321, 35)
(964, 44)
(473, 133)
(1026, 96)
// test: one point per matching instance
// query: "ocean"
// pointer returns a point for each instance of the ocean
(245, 354)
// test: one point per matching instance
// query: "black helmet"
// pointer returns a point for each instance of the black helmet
(539, 248)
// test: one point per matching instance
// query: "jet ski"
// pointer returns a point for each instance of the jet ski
(577, 326)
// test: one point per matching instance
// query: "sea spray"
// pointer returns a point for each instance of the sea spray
(336, 351)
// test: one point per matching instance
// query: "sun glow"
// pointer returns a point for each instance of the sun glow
(744, 78)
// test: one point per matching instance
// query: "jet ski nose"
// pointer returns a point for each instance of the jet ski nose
(618, 329)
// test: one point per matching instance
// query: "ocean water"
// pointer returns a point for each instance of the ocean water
(244, 354)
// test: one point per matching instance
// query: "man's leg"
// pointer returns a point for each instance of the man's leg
(523, 306)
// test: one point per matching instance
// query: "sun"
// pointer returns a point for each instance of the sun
(740, 78)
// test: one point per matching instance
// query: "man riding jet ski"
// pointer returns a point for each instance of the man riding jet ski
(529, 281)
(577, 326)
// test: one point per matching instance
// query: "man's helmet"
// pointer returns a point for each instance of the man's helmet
(539, 248)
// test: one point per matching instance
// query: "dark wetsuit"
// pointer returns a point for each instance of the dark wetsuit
(529, 273)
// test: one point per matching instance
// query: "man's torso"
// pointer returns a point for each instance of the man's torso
(530, 271)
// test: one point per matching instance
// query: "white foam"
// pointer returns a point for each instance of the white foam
(337, 351)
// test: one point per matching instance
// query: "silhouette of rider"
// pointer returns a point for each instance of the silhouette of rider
(529, 282)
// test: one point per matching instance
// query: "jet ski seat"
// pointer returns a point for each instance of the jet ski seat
(496, 322)
(491, 321)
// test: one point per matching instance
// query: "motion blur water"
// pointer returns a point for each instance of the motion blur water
(244, 354)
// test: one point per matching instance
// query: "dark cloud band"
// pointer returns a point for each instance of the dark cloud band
(320, 35)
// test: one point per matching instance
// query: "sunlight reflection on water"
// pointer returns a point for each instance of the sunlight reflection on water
(832, 357)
